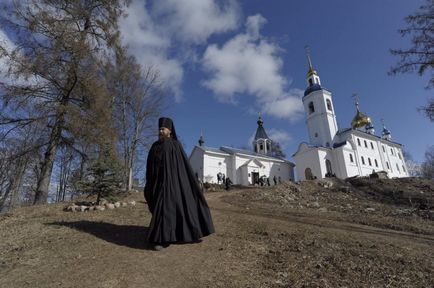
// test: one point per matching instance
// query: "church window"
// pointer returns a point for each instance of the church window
(351, 158)
(268, 146)
(376, 163)
(366, 143)
(363, 160)
(311, 108)
(310, 82)
(384, 150)
(387, 164)
(261, 147)
(329, 105)
(369, 161)
(391, 151)
(397, 168)
(358, 141)
(372, 145)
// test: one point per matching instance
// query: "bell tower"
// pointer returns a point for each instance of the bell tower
(320, 113)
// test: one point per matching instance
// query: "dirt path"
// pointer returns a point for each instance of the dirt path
(311, 219)
(252, 248)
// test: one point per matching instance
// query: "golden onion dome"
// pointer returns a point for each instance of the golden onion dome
(360, 120)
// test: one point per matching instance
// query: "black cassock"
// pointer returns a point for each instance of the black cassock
(179, 210)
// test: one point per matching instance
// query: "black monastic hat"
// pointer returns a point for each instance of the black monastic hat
(167, 123)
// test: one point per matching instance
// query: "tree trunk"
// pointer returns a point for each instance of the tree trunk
(16, 184)
(130, 178)
(43, 185)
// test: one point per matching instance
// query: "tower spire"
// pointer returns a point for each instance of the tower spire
(201, 141)
(312, 75)
(308, 57)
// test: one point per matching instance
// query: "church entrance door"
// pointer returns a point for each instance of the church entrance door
(328, 167)
(255, 178)
(308, 174)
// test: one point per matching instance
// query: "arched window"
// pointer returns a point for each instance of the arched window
(366, 144)
(310, 82)
(369, 161)
(376, 163)
(261, 147)
(329, 105)
(351, 158)
(387, 164)
(358, 141)
(363, 160)
(372, 145)
(311, 108)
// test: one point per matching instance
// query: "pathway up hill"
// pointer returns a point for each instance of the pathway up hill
(320, 233)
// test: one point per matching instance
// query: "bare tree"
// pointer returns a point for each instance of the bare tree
(413, 168)
(427, 167)
(58, 51)
(138, 99)
(17, 155)
(420, 57)
(276, 150)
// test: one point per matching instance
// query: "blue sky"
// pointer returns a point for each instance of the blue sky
(224, 62)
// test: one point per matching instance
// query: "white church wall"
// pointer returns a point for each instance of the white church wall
(397, 163)
(196, 161)
(322, 156)
(214, 164)
(369, 155)
(350, 163)
(307, 159)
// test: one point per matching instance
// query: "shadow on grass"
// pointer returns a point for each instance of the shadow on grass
(124, 235)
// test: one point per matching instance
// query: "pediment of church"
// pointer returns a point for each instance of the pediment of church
(253, 163)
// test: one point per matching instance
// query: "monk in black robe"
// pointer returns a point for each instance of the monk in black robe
(180, 213)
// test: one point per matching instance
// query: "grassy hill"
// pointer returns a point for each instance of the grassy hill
(322, 233)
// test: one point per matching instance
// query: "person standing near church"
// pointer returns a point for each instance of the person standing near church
(179, 210)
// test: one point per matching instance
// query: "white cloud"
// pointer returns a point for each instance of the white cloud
(280, 136)
(162, 36)
(289, 105)
(150, 46)
(193, 21)
(249, 63)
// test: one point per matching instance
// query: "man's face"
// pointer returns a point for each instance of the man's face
(164, 132)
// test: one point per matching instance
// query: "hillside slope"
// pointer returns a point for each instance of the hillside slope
(361, 233)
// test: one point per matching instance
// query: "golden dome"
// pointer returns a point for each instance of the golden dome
(360, 120)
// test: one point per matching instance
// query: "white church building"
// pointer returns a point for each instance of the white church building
(343, 153)
(243, 167)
